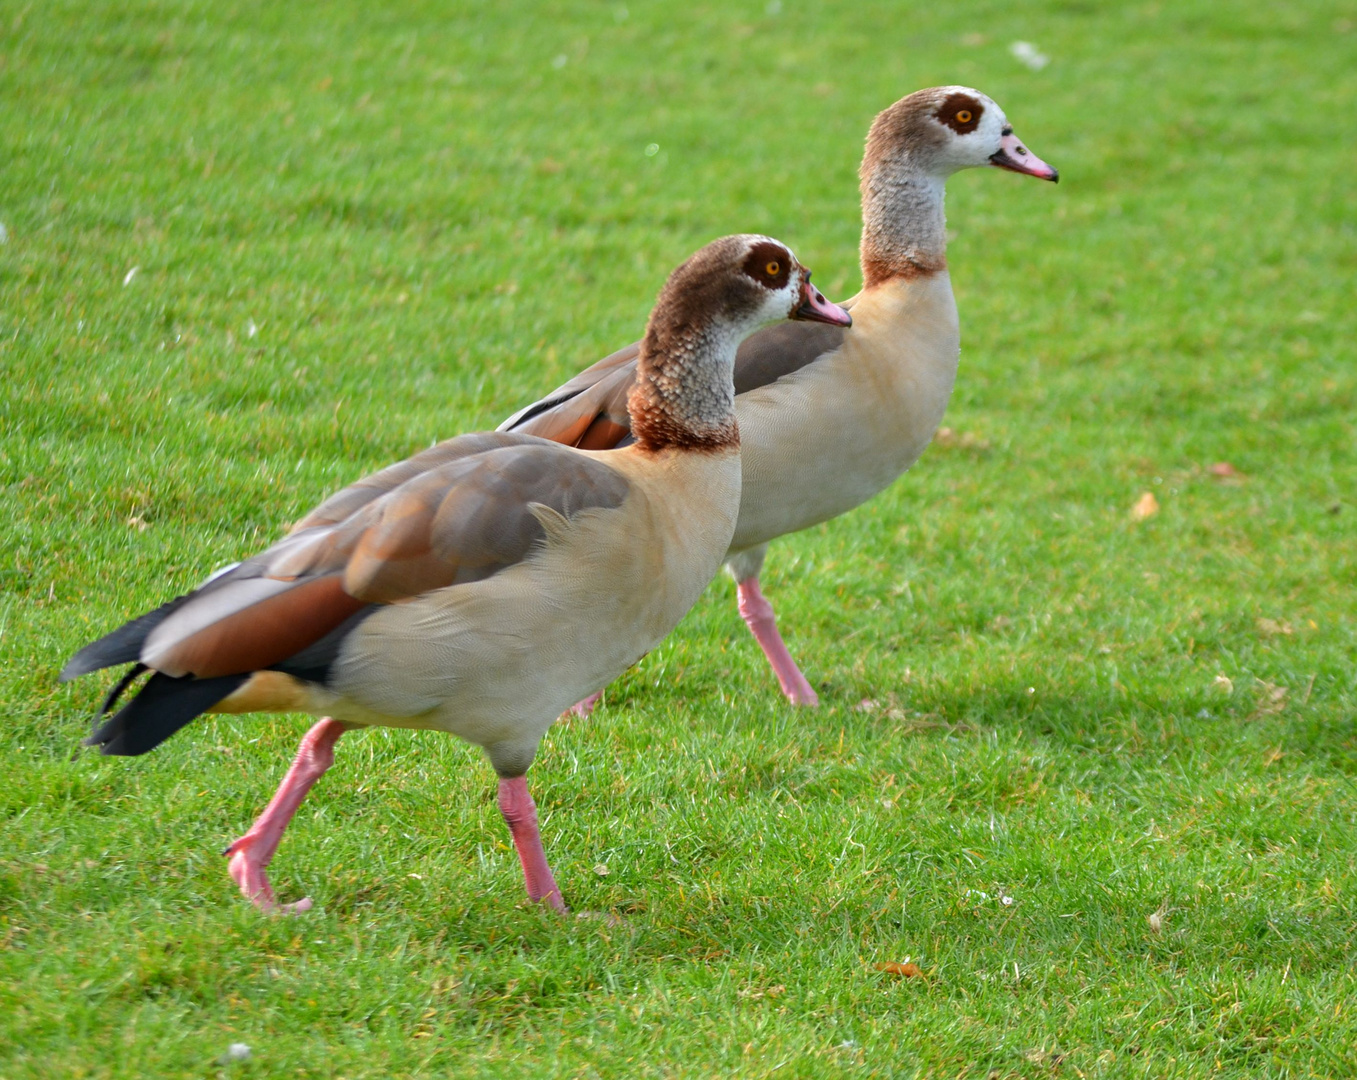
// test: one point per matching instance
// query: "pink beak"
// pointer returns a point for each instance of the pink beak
(815, 308)
(1015, 157)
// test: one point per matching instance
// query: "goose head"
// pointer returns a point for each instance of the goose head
(738, 284)
(684, 395)
(944, 129)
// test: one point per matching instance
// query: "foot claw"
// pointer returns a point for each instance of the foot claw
(249, 873)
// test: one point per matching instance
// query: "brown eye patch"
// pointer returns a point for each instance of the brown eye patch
(961, 113)
(769, 264)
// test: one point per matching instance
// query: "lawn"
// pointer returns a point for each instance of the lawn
(1092, 773)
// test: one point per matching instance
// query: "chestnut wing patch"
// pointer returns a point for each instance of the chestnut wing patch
(590, 411)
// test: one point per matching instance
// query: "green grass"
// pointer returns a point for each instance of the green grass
(430, 213)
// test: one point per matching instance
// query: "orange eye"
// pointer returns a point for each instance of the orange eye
(964, 116)
(773, 268)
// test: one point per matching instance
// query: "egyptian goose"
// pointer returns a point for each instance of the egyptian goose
(481, 586)
(830, 416)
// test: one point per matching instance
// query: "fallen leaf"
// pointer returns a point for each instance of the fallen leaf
(1222, 684)
(608, 918)
(602, 870)
(1272, 700)
(1223, 470)
(968, 440)
(1146, 507)
(905, 971)
(1273, 628)
(755, 993)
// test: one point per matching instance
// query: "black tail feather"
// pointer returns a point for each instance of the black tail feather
(122, 646)
(118, 688)
(163, 706)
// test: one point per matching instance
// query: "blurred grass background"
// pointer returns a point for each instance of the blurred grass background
(253, 251)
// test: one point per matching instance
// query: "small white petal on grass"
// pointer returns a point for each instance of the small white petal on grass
(559, 61)
(1222, 685)
(1007, 901)
(251, 329)
(1027, 53)
(652, 149)
(235, 1052)
(1146, 507)
(127, 278)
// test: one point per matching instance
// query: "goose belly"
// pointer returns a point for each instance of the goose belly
(831, 435)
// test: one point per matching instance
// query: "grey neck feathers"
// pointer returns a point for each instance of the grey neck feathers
(684, 394)
(904, 224)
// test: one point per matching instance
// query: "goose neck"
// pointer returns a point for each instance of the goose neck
(904, 224)
(684, 395)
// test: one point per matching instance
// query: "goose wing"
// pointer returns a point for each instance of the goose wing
(590, 411)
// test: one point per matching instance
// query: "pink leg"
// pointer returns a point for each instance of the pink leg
(582, 709)
(516, 804)
(758, 613)
(251, 854)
